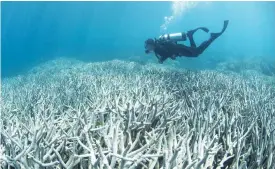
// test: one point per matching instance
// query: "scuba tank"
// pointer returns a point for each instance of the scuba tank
(174, 37)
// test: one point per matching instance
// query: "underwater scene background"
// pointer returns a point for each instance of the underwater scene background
(35, 32)
(78, 90)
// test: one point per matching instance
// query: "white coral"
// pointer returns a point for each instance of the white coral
(121, 114)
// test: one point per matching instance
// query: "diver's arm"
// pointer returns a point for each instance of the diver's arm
(173, 57)
(157, 55)
(159, 58)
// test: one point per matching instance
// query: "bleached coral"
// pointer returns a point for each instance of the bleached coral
(260, 64)
(121, 114)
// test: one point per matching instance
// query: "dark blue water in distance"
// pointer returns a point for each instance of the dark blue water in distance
(36, 32)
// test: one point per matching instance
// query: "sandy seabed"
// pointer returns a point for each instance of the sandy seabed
(119, 114)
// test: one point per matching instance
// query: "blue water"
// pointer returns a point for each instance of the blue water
(35, 32)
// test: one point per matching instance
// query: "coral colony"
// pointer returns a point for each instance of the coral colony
(120, 114)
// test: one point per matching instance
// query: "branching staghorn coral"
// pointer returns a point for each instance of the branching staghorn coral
(124, 115)
(263, 65)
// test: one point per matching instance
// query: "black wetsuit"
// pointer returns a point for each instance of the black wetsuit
(170, 49)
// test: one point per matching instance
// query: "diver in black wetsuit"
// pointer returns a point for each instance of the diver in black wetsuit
(166, 46)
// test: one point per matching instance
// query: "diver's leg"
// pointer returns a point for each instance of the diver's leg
(191, 40)
(182, 50)
(213, 36)
(204, 45)
(191, 33)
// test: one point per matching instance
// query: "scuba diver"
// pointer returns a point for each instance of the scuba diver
(166, 46)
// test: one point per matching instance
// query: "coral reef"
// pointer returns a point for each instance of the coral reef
(119, 114)
(263, 65)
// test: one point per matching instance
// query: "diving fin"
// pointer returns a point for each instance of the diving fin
(190, 33)
(215, 35)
